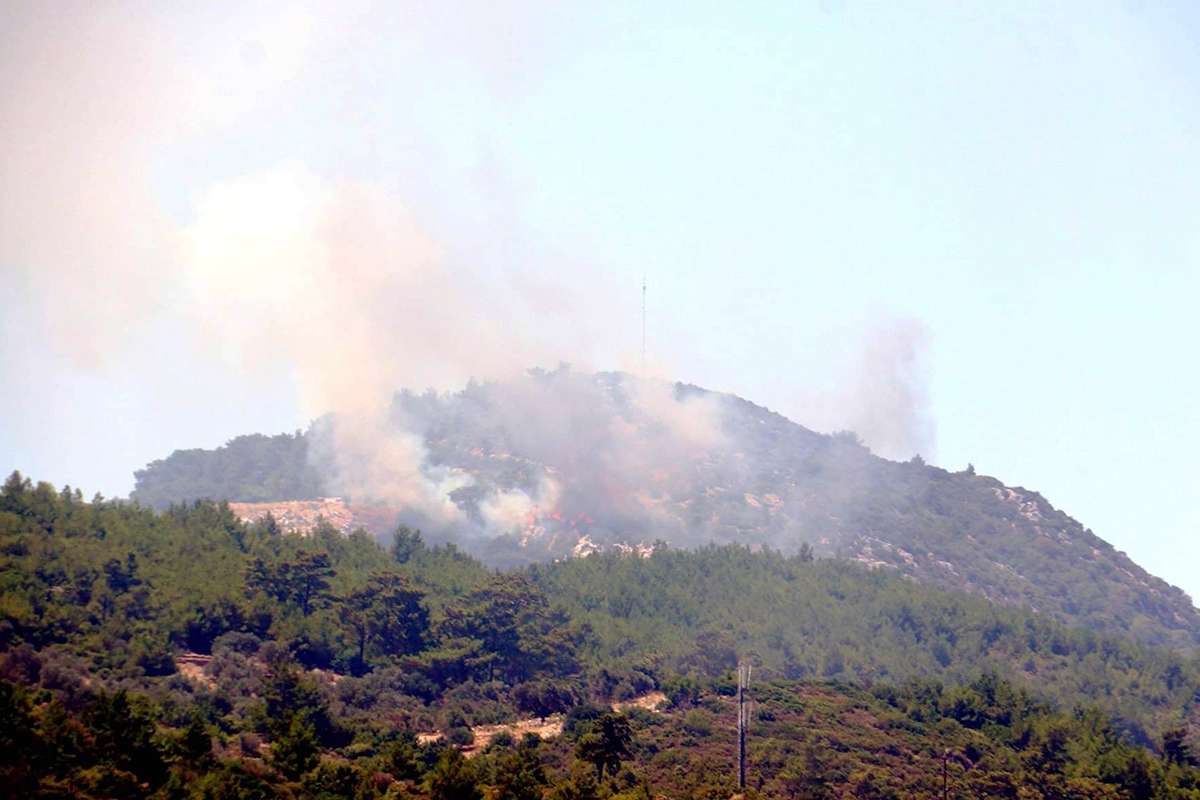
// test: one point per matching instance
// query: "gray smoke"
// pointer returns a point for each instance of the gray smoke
(880, 390)
(337, 278)
(605, 448)
(887, 402)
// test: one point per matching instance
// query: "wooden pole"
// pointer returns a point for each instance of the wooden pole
(743, 679)
(741, 738)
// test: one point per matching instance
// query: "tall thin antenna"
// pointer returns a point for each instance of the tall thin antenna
(643, 324)
(743, 720)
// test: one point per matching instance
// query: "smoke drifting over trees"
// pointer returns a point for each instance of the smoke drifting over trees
(525, 450)
(881, 391)
(334, 277)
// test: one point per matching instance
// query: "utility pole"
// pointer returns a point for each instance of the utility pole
(948, 755)
(743, 721)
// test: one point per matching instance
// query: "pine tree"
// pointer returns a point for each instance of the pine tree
(297, 751)
(453, 778)
(606, 744)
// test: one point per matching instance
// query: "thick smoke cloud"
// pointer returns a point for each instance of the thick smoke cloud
(332, 277)
(339, 282)
(93, 93)
(515, 509)
(335, 277)
(621, 443)
(569, 450)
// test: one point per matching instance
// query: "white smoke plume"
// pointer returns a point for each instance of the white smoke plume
(622, 444)
(886, 399)
(515, 510)
(364, 456)
(335, 277)
(880, 390)
(93, 94)
(332, 277)
(338, 281)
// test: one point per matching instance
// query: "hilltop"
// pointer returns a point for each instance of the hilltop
(560, 464)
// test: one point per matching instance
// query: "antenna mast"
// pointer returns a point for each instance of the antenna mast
(643, 324)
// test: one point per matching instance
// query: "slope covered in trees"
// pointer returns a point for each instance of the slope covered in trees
(250, 469)
(322, 656)
(698, 611)
(821, 741)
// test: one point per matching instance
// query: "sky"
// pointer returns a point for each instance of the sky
(964, 229)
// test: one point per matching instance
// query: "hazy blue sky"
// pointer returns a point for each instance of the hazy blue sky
(1004, 194)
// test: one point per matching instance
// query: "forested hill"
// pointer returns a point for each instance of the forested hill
(759, 479)
(186, 654)
(253, 469)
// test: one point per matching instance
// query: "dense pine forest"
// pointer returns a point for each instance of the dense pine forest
(186, 654)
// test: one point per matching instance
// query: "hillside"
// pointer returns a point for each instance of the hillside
(560, 464)
(188, 654)
(251, 469)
